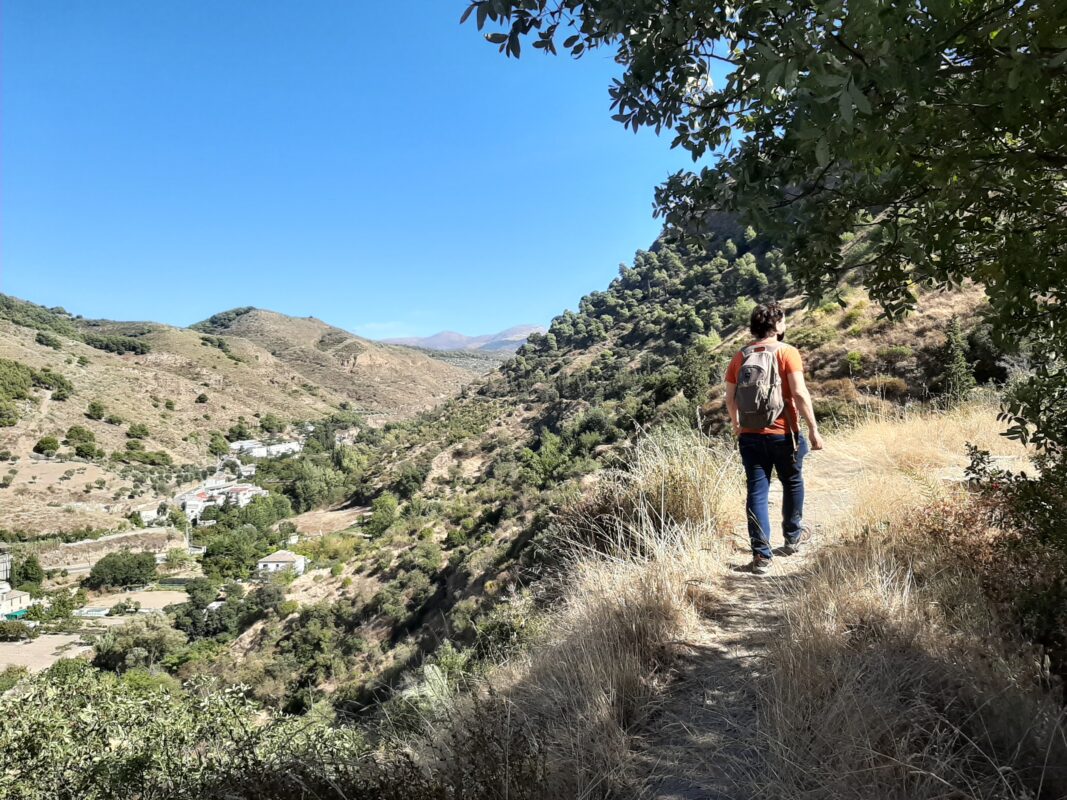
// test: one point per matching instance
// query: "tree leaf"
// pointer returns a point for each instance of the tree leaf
(859, 99)
(844, 104)
(822, 153)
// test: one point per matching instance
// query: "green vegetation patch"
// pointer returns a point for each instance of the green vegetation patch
(120, 345)
(218, 323)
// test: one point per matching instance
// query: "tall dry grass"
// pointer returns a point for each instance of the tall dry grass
(893, 676)
(630, 555)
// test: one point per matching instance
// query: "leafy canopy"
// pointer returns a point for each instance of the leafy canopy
(935, 130)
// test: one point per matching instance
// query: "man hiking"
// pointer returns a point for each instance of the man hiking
(765, 390)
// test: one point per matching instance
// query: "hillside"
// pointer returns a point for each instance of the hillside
(538, 546)
(463, 500)
(505, 341)
(181, 385)
(377, 379)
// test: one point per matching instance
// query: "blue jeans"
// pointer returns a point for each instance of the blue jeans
(761, 453)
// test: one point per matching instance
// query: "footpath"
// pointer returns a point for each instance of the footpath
(702, 742)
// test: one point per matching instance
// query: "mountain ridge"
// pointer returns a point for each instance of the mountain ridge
(507, 340)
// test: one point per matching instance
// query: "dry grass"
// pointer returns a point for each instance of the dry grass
(576, 694)
(893, 677)
(890, 677)
(674, 477)
(892, 680)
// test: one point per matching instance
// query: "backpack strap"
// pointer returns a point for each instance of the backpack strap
(773, 347)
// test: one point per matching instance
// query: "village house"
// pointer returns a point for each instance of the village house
(275, 450)
(280, 561)
(13, 603)
(194, 503)
(254, 448)
(244, 445)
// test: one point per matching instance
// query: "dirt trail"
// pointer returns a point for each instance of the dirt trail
(700, 743)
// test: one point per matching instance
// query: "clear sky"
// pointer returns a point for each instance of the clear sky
(386, 171)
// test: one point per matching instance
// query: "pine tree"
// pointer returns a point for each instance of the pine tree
(957, 381)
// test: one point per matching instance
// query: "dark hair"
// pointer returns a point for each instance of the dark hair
(765, 319)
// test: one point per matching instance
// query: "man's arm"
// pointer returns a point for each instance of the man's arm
(731, 408)
(804, 406)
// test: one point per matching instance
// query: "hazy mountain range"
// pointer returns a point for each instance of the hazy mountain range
(506, 340)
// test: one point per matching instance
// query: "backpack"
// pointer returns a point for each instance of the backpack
(758, 393)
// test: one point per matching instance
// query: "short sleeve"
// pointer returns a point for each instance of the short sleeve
(790, 360)
(733, 368)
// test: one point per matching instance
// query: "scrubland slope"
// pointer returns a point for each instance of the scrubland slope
(874, 665)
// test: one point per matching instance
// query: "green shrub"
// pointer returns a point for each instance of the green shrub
(120, 345)
(88, 450)
(11, 631)
(122, 569)
(46, 445)
(9, 676)
(137, 430)
(48, 340)
(895, 353)
(288, 607)
(853, 362)
(887, 386)
(851, 317)
(9, 415)
(60, 387)
(95, 410)
(810, 338)
(79, 433)
(836, 411)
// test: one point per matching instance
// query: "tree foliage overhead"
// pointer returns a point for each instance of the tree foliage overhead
(934, 129)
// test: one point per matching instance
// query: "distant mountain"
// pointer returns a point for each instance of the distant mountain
(508, 340)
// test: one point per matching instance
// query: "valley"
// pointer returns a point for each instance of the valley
(260, 557)
(427, 547)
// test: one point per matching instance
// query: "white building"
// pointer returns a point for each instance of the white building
(280, 561)
(13, 603)
(257, 449)
(275, 450)
(244, 445)
(194, 503)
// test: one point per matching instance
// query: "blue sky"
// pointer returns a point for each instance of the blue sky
(390, 174)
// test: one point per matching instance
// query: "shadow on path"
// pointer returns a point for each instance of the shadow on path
(702, 742)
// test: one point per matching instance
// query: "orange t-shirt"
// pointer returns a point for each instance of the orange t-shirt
(788, 361)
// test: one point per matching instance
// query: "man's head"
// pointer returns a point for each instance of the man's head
(767, 320)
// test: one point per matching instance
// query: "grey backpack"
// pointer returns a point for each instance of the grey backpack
(759, 387)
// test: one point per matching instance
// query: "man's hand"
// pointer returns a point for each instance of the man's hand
(816, 440)
(737, 428)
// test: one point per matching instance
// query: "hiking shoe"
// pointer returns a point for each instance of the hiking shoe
(760, 565)
(792, 548)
